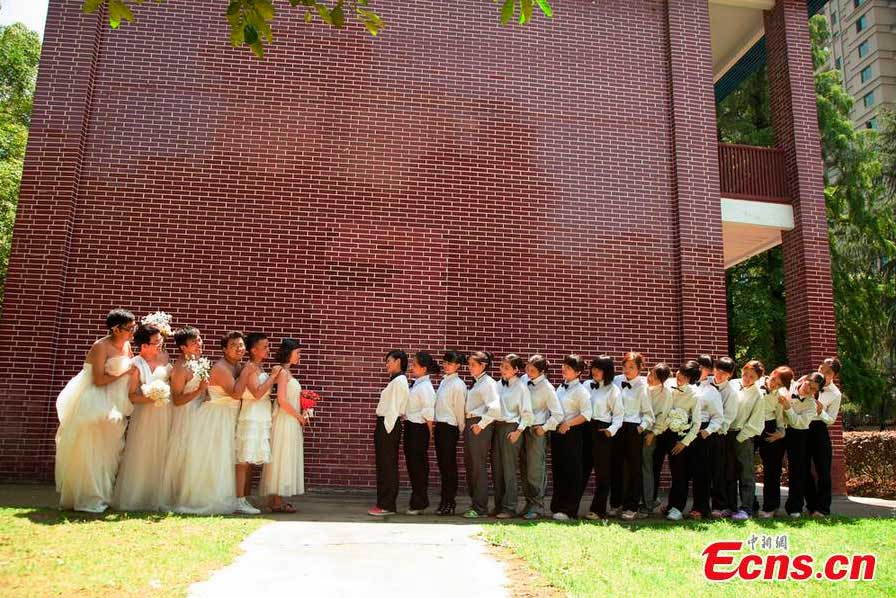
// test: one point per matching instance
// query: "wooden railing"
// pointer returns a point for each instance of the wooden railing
(748, 172)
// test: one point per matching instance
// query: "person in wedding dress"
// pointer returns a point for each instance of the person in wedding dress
(187, 394)
(210, 461)
(284, 475)
(92, 409)
(253, 429)
(146, 445)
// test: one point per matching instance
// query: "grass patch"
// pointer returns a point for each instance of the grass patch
(657, 557)
(47, 552)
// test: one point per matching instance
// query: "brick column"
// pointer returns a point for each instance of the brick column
(35, 283)
(703, 314)
(811, 332)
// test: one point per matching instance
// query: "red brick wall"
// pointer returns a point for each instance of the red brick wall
(811, 332)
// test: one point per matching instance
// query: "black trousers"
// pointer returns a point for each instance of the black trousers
(718, 463)
(566, 467)
(625, 487)
(445, 438)
(732, 472)
(602, 457)
(819, 454)
(385, 446)
(699, 468)
(664, 443)
(679, 469)
(796, 441)
(416, 458)
(772, 456)
(588, 465)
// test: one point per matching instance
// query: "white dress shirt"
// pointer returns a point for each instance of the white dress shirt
(635, 402)
(661, 402)
(516, 404)
(606, 404)
(546, 409)
(421, 401)
(771, 408)
(483, 400)
(748, 417)
(729, 391)
(829, 397)
(393, 401)
(710, 406)
(575, 400)
(451, 400)
(800, 412)
(687, 399)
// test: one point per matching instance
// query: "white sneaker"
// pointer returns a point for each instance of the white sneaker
(766, 514)
(414, 512)
(674, 515)
(628, 515)
(561, 517)
(243, 506)
(614, 512)
(795, 515)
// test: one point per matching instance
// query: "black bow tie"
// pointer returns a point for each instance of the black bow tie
(716, 386)
(504, 382)
(595, 384)
(565, 385)
(626, 384)
(530, 383)
(763, 388)
(796, 396)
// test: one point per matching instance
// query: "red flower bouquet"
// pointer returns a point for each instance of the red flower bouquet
(307, 400)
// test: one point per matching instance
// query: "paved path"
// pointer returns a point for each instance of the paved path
(376, 558)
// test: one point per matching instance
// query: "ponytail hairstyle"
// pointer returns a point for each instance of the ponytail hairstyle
(400, 356)
(539, 362)
(662, 371)
(483, 358)
(575, 362)
(691, 370)
(705, 361)
(455, 357)
(633, 356)
(427, 361)
(605, 364)
(725, 364)
(284, 351)
(784, 374)
(516, 362)
(756, 366)
(818, 379)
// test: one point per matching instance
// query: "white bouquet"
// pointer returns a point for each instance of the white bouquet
(201, 367)
(678, 421)
(158, 391)
(159, 320)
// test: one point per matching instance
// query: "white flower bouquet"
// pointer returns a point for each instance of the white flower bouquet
(158, 391)
(679, 421)
(201, 367)
(159, 320)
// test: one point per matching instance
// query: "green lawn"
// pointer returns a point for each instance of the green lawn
(658, 557)
(45, 552)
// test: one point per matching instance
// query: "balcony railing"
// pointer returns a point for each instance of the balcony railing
(756, 173)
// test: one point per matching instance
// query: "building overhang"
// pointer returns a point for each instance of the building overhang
(751, 227)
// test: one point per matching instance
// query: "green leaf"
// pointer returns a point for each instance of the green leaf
(507, 11)
(546, 8)
(91, 6)
(525, 11)
(308, 16)
(250, 34)
(324, 13)
(119, 11)
(338, 16)
(233, 8)
(265, 9)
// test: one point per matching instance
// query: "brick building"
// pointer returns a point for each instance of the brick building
(451, 184)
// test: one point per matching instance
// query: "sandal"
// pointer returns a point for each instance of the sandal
(284, 508)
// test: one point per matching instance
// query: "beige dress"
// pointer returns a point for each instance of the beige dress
(183, 422)
(90, 437)
(253, 430)
(285, 474)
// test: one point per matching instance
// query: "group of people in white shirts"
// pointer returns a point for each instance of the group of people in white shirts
(190, 447)
(620, 428)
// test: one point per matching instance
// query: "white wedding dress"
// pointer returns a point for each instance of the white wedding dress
(285, 474)
(183, 422)
(253, 430)
(210, 466)
(146, 447)
(90, 437)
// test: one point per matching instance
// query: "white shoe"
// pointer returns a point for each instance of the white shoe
(414, 512)
(766, 514)
(674, 515)
(795, 515)
(614, 512)
(561, 517)
(628, 515)
(243, 506)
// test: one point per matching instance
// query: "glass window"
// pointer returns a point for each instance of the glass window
(866, 74)
(864, 48)
(862, 22)
(868, 100)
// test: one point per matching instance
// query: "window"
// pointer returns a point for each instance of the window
(866, 74)
(858, 3)
(833, 18)
(871, 124)
(839, 63)
(862, 23)
(868, 100)
(864, 48)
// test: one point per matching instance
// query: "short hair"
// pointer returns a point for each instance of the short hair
(184, 335)
(726, 364)
(833, 363)
(756, 366)
(427, 361)
(662, 371)
(284, 351)
(539, 362)
(605, 364)
(705, 361)
(144, 335)
(455, 357)
(483, 358)
(119, 317)
(633, 356)
(515, 361)
(232, 335)
(784, 374)
(817, 378)
(400, 356)
(575, 362)
(254, 338)
(691, 370)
